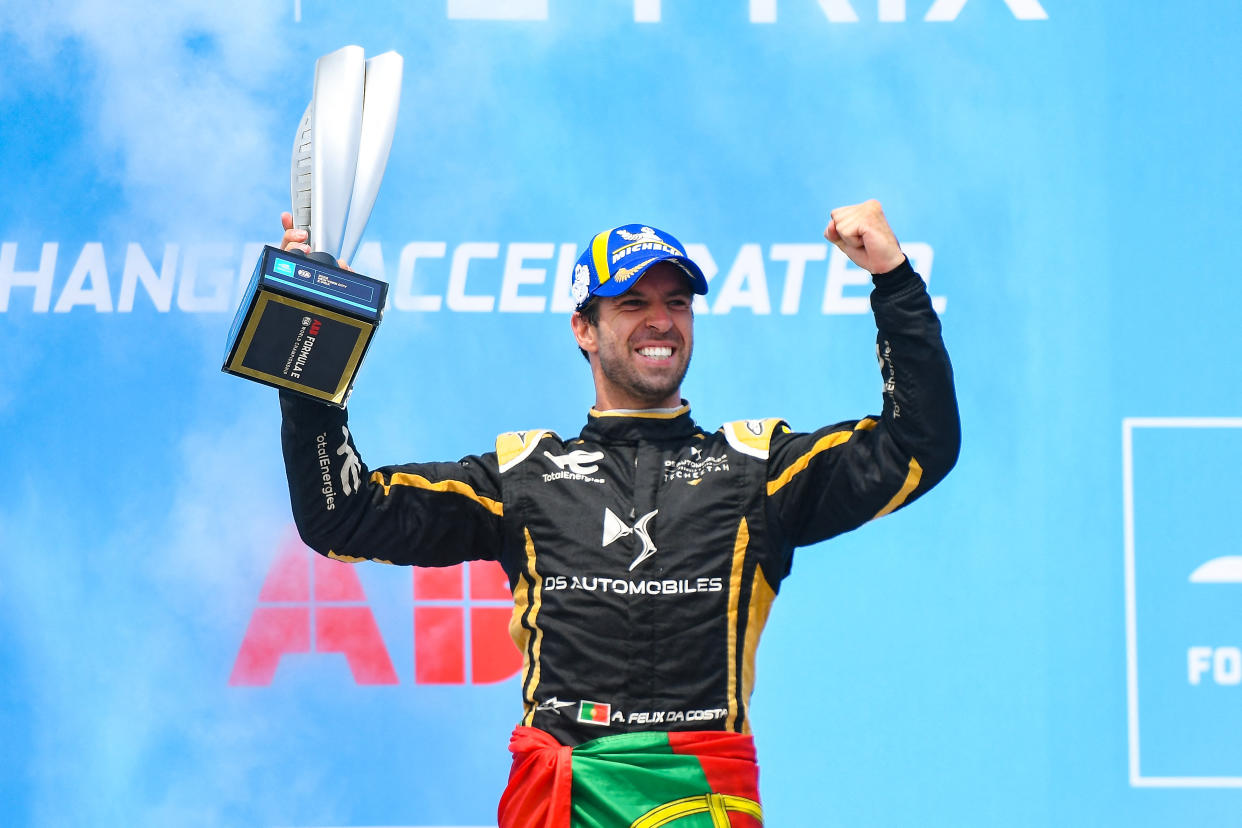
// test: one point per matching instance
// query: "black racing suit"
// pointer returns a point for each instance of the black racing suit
(645, 553)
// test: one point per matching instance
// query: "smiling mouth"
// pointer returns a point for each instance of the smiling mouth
(656, 351)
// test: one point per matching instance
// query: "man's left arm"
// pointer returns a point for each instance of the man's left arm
(835, 479)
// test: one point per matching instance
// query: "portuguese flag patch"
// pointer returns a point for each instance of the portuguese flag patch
(594, 712)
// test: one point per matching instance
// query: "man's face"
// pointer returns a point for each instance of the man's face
(641, 347)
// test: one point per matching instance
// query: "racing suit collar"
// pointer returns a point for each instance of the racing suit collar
(625, 425)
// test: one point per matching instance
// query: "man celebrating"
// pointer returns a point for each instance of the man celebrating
(645, 553)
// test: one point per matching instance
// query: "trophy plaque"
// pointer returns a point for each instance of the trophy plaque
(304, 322)
(304, 325)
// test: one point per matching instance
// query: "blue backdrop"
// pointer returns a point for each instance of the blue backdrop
(1051, 637)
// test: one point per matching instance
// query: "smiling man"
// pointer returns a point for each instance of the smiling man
(644, 554)
(633, 322)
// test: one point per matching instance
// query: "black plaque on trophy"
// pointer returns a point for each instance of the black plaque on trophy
(304, 325)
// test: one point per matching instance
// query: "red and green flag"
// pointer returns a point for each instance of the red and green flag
(704, 779)
(594, 712)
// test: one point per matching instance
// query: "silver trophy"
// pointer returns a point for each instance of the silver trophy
(342, 146)
(304, 324)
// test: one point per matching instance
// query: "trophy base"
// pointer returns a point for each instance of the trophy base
(304, 325)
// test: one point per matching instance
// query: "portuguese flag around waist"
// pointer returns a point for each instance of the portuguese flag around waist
(705, 779)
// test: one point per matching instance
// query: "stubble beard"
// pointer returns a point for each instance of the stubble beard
(621, 371)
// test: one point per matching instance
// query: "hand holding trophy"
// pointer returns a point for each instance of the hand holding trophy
(304, 323)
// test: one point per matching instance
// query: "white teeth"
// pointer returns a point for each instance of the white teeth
(656, 352)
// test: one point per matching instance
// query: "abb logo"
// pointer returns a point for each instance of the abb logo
(460, 608)
(309, 603)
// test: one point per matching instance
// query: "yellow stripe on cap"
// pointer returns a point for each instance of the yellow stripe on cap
(599, 255)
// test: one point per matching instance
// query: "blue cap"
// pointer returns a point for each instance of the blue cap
(615, 260)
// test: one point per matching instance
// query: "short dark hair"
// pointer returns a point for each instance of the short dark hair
(590, 314)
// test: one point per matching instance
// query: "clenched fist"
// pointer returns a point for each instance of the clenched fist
(295, 240)
(863, 234)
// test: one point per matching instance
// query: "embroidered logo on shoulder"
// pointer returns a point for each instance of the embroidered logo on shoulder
(515, 446)
(577, 461)
(751, 436)
(576, 465)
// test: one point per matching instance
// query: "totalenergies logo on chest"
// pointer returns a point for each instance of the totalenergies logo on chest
(310, 604)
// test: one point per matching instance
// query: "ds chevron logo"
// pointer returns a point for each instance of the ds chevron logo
(615, 528)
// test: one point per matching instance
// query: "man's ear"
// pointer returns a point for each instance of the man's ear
(584, 333)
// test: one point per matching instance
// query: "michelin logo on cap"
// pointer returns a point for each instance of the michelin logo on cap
(644, 239)
(616, 259)
(582, 285)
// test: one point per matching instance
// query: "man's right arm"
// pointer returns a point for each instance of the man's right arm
(426, 514)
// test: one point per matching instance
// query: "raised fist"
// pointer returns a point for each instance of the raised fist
(863, 234)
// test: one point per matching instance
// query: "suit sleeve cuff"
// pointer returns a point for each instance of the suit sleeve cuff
(896, 279)
(304, 410)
